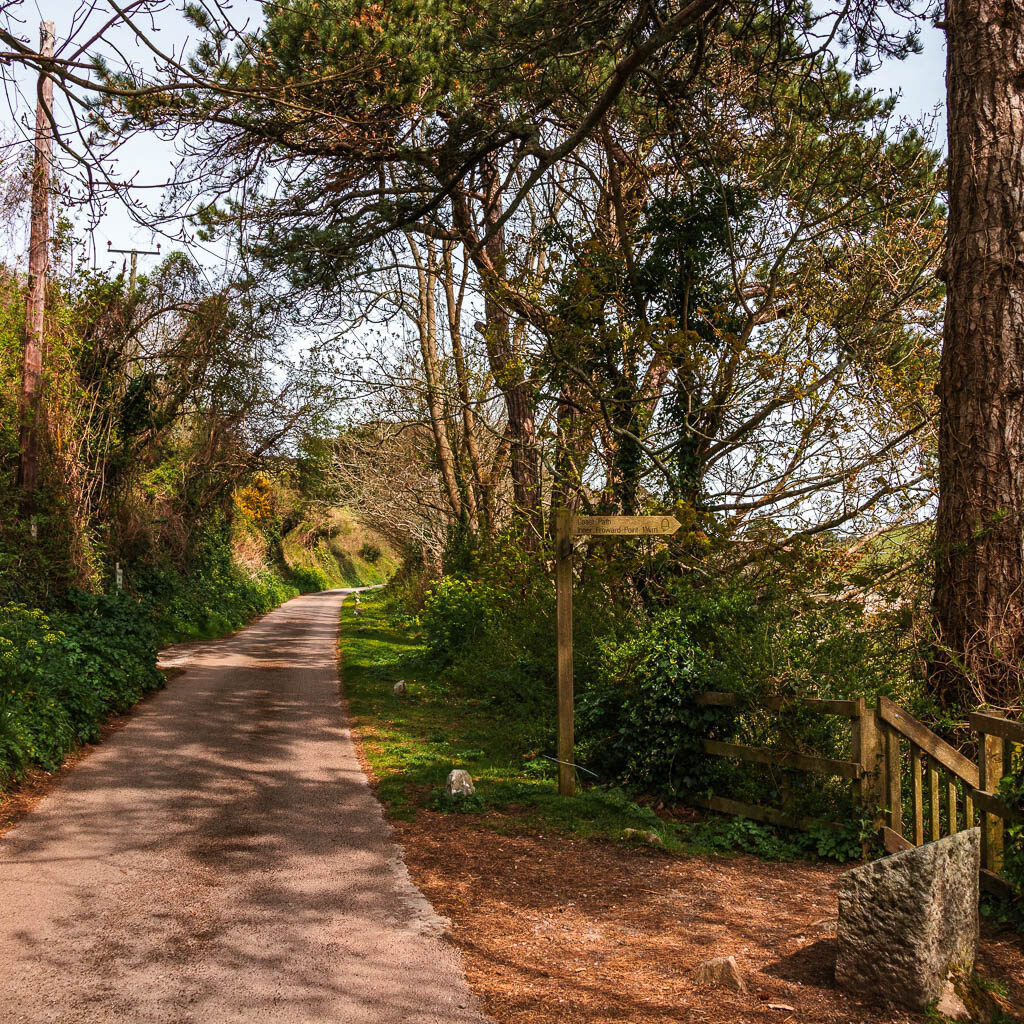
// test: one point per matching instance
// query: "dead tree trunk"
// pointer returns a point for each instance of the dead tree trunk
(979, 580)
(39, 237)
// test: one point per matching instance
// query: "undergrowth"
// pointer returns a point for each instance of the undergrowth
(62, 674)
(67, 668)
(445, 722)
(212, 595)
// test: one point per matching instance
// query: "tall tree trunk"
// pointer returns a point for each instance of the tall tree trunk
(39, 237)
(506, 364)
(477, 495)
(426, 323)
(979, 581)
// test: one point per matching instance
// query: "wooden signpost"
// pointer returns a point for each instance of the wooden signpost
(567, 527)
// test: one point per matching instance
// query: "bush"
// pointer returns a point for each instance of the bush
(722, 835)
(456, 614)
(370, 553)
(650, 635)
(211, 596)
(63, 673)
(310, 579)
(640, 724)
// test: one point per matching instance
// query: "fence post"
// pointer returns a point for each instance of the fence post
(990, 772)
(893, 782)
(934, 801)
(867, 751)
(917, 791)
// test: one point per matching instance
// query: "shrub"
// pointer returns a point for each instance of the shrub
(649, 635)
(722, 834)
(310, 579)
(63, 673)
(456, 614)
(370, 553)
(640, 723)
(211, 597)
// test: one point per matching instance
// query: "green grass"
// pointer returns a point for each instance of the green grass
(333, 544)
(413, 742)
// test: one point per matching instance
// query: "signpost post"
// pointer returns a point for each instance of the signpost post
(567, 527)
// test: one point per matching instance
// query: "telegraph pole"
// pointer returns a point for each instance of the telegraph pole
(135, 260)
(39, 238)
(132, 352)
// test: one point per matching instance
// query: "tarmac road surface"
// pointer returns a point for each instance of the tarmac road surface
(222, 859)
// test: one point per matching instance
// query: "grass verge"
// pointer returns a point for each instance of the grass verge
(411, 744)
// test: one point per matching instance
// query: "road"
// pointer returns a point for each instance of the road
(222, 859)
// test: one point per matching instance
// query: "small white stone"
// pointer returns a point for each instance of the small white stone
(460, 783)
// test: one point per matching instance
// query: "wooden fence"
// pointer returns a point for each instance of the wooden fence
(891, 751)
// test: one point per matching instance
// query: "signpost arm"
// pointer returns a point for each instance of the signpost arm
(563, 602)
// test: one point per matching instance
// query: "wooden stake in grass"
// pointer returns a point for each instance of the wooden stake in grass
(563, 616)
(568, 526)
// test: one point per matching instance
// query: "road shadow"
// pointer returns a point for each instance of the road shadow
(223, 856)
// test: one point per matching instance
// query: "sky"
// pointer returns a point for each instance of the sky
(148, 160)
(919, 82)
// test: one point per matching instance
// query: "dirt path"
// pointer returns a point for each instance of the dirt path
(222, 859)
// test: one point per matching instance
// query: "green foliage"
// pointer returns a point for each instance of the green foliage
(65, 670)
(640, 723)
(413, 743)
(212, 596)
(839, 844)
(1011, 790)
(496, 637)
(724, 835)
(1010, 911)
(741, 834)
(370, 553)
(456, 615)
(328, 547)
(780, 626)
(310, 579)
(472, 803)
(63, 673)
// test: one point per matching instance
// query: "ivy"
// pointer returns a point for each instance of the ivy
(62, 674)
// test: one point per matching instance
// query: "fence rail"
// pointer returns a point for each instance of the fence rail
(889, 748)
